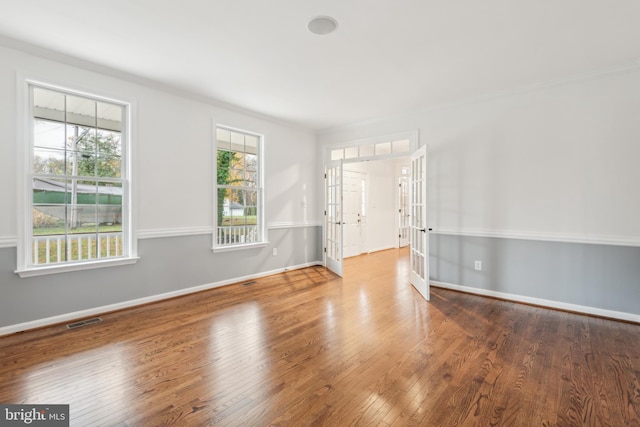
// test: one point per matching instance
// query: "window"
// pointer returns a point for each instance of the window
(76, 182)
(239, 213)
(369, 149)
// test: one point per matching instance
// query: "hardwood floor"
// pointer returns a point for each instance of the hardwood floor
(309, 348)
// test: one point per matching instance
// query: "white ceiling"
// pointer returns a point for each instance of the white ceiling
(386, 57)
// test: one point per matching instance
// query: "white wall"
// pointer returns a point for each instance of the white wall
(174, 151)
(381, 221)
(173, 199)
(555, 162)
(541, 185)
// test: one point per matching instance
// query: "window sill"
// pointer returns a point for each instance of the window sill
(231, 248)
(65, 268)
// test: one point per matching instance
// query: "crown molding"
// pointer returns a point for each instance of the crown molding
(484, 97)
(74, 61)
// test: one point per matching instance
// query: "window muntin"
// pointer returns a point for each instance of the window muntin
(77, 210)
(239, 188)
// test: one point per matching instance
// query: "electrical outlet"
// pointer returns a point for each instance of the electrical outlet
(477, 265)
(275, 251)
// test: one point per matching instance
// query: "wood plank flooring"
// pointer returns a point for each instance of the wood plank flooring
(308, 348)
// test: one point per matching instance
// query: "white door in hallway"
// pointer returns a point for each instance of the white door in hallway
(354, 213)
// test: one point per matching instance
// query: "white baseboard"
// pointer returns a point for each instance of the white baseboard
(91, 312)
(593, 311)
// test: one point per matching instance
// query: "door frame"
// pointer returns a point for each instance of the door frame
(399, 145)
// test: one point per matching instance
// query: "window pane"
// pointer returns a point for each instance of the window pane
(109, 218)
(223, 206)
(223, 141)
(251, 201)
(337, 154)
(109, 166)
(47, 134)
(109, 200)
(48, 104)
(109, 116)
(81, 139)
(366, 150)
(47, 191)
(251, 144)
(237, 170)
(237, 141)
(48, 220)
(383, 148)
(351, 152)
(81, 218)
(251, 162)
(81, 111)
(108, 142)
(225, 158)
(49, 161)
(401, 146)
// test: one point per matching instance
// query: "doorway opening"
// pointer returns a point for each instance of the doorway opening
(375, 205)
(351, 200)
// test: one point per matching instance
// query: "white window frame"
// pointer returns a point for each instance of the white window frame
(25, 151)
(262, 229)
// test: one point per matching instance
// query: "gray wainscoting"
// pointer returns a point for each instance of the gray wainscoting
(600, 276)
(166, 265)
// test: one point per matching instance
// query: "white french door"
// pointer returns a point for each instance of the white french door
(333, 179)
(419, 236)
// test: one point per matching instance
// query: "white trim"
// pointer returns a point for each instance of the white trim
(412, 135)
(260, 185)
(282, 225)
(57, 56)
(173, 232)
(231, 248)
(196, 231)
(62, 318)
(534, 235)
(8, 242)
(11, 241)
(67, 267)
(583, 309)
(25, 83)
(382, 248)
(496, 94)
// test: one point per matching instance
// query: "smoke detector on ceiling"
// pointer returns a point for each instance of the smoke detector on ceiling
(322, 25)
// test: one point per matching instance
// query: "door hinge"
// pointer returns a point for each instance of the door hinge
(325, 250)
(325, 176)
(325, 213)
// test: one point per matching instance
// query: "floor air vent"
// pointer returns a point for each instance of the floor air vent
(253, 282)
(82, 323)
